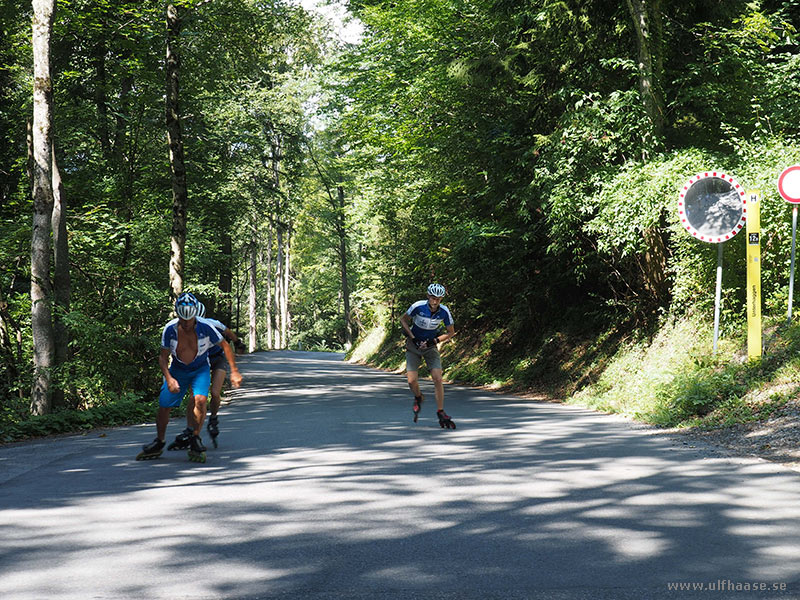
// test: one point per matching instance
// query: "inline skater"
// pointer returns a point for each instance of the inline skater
(422, 324)
(219, 370)
(219, 365)
(186, 340)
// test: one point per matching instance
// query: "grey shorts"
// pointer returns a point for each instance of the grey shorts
(414, 357)
(219, 363)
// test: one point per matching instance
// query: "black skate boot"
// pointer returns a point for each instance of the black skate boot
(181, 440)
(213, 428)
(445, 422)
(197, 452)
(151, 451)
(418, 400)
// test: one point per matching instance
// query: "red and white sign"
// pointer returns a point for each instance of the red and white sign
(710, 219)
(789, 184)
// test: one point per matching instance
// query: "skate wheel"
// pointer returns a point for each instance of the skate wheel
(148, 456)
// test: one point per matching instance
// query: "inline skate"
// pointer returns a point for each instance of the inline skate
(151, 451)
(181, 440)
(213, 429)
(445, 422)
(418, 400)
(197, 452)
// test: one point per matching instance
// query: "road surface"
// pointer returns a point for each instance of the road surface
(323, 489)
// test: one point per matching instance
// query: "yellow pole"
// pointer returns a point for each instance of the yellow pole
(754, 342)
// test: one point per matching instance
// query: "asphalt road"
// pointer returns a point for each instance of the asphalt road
(323, 488)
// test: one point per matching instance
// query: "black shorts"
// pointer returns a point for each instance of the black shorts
(219, 363)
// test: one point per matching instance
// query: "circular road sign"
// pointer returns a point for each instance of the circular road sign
(712, 207)
(789, 184)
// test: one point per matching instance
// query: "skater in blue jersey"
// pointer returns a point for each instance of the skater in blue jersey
(427, 323)
(219, 369)
(186, 340)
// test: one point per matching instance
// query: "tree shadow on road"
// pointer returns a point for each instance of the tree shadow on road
(324, 488)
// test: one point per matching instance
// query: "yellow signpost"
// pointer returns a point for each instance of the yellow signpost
(754, 343)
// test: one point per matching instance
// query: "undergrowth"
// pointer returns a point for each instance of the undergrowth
(670, 379)
(126, 409)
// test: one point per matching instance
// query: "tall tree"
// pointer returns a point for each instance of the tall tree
(180, 195)
(252, 298)
(341, 230)
(62, 287)
(41, 287)
(646, 15)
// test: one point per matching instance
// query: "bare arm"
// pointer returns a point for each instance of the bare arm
(163, 362)
(236, 377)
(451, 331)
(405, 321)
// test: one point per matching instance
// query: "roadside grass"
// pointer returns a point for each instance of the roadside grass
(675, 380)
(669, 379)
(126, 409)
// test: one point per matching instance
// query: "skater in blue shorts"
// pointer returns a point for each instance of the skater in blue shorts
(220, 364)
(187, 341)
(426, 324)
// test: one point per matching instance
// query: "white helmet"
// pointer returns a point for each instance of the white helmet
(187, 306)
(436, 289)
(202, 311)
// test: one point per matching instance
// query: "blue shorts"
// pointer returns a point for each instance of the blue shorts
(198, 380)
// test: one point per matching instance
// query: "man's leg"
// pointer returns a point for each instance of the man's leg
(438, 385)
(198, 401)
(199, 406)
(413, 383)
(162, 419)
(217, 379)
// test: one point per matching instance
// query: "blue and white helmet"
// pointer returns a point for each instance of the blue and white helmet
(436, 289)
(202, 312)
(186, 306)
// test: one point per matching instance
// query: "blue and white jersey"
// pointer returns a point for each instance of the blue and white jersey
(207, 338)
(221, 327)
(425, 324)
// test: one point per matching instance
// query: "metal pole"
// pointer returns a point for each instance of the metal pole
(718, 296)
(791, 271)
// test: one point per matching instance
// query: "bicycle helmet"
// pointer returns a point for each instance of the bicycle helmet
(202, 310)
(187, 306)
(436, 289)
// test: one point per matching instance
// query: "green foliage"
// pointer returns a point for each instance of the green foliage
(502, 148)
(674, 380)
(114, 410)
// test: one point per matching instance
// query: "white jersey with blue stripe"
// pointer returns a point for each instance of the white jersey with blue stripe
(221, 327)
(207, 338)
(424, 323)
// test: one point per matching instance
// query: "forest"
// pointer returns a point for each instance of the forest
(527, 154)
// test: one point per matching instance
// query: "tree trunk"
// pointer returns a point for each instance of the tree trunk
(646, 15)
(279, 289)
(252, 299)
(286, 317)
(100, 100)
(269, 291)
(41, 289)
(180, 195)
(61, 279)
(226, 279)
(342, 231)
